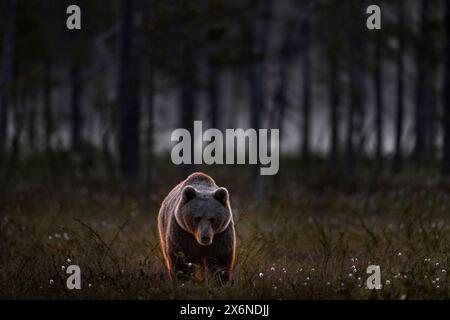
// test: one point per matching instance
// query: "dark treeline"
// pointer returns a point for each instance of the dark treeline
(105, 91)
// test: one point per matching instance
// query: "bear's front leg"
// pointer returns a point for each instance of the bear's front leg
(180, 268)
(220, 267)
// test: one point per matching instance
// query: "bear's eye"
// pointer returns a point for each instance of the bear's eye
(212, 220)
(197, 219)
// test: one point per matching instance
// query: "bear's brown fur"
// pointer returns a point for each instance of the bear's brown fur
(196, 228)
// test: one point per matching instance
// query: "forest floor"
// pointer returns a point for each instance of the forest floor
(311, 236)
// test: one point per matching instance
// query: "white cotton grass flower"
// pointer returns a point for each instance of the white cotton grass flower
(388, 282)
(51, 281)
(63, 268)
(261, 275)
(90, 285)
(399, 254)
(68, 260)
(272, 269)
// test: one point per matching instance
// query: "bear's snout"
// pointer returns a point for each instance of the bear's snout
(205, 240)
(205, 234)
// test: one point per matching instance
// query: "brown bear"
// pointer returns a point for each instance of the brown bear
(196, 229)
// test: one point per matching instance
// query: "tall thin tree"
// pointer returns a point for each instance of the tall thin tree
(355, 137)
(333, 52)
(258, 67)
(260, 46)
(128, 95)
(446, 91)
(75, 105)
(187, 77)
(421, 121)
(379, 94)
(306, 85)
(400, 86)
(6, 74)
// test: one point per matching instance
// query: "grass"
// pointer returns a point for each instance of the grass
(311, 235)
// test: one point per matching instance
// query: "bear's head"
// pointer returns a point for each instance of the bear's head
(203, 213)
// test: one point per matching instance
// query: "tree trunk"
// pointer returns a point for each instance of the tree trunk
(334, 106)
(280, 99)
(213, 94)
(400, 66)
(446, 91)
(31, 127)
(19, 116)
(306, 88)
(260, 43)
(258, 67)
(423, 79)
(76, 93)
(379, 98)
(356, 113)
(151, 126)
(7, 69)
(48, 112)
(187, 101)
(128, 96)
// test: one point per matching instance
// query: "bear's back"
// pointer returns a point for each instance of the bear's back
(201, 182)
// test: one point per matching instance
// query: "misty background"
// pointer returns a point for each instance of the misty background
(112, 92)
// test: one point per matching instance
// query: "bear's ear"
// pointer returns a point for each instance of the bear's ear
(221, 195)
(188, 194)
